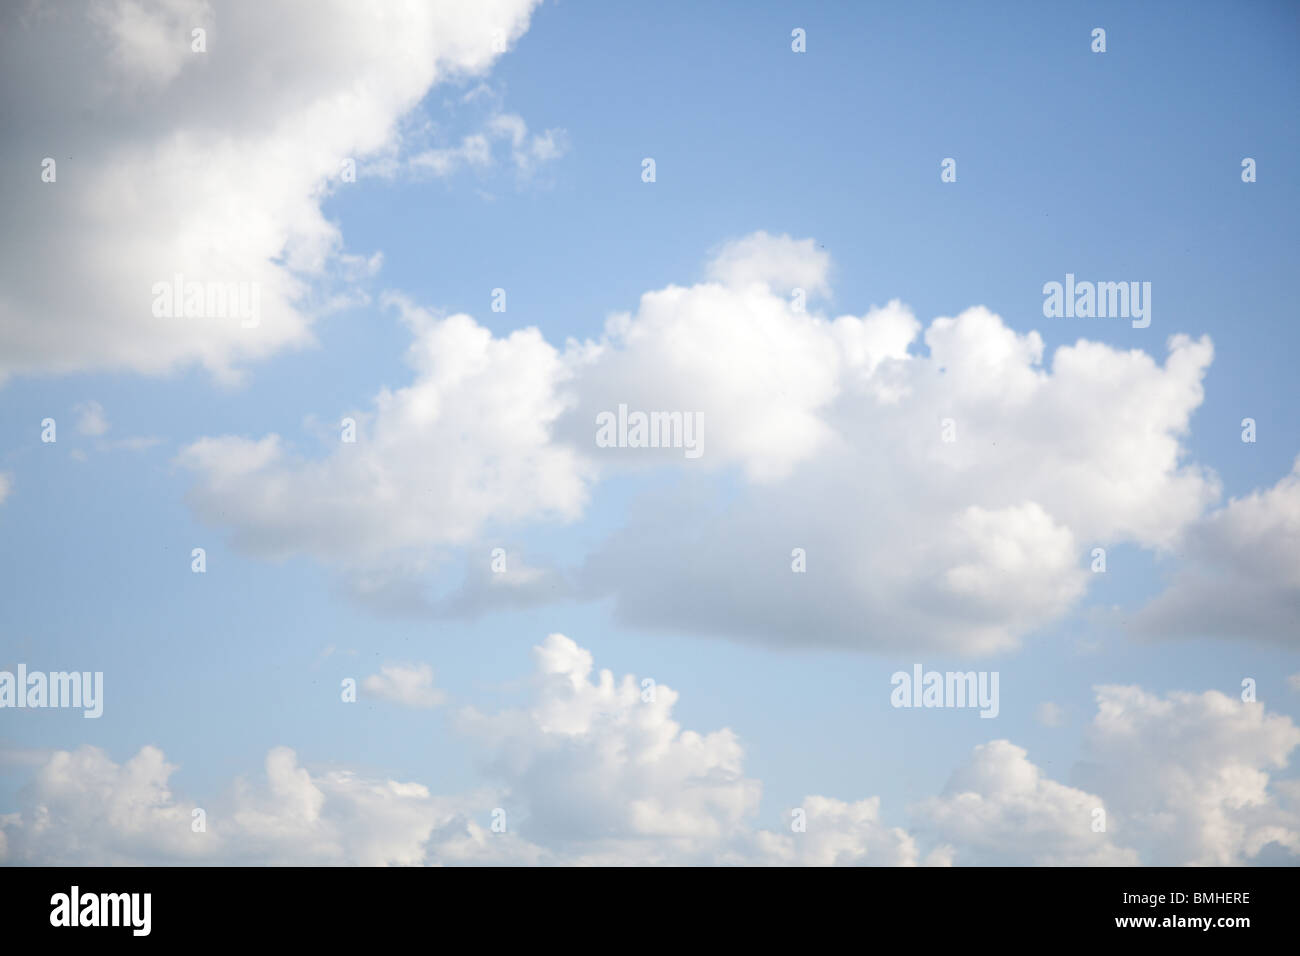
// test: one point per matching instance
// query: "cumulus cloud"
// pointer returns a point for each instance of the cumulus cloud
(595, 770)
(980, 477)
(836, 833)
(410, 685)
(603, 760)
(941, 498)
(1238, 573)
(335, 817)
(91, 419)
(999, 810)
(174, 162)
(1188, 775)
(1183, 779)
(467, 442)
(81, 807)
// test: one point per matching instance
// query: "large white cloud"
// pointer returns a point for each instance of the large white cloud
(910, 540)
(836, 427)
(594, 769)
(210, 165)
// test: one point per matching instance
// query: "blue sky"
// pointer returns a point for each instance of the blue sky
(1117, 166)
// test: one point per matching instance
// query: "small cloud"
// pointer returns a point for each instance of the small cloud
(91, 420)
(473, 150)
(527, 152)
(410, 685)
(1293, 682)
(1050, 714)
(6, 485)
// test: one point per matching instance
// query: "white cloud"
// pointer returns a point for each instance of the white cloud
(595, 761)
(1184, 779)
(497, 138)
(474, 150)
(1239, 572)
(6, 485)
(466, 442)
(593, 770)
(837, 427)
(1188, 775)
(80, 806)
(527, 152)
(840, 834)
(911, 541)
(999, 810)
(90, 418)
(336, 817)
(176, 162)
(408, 684)
(775, 263)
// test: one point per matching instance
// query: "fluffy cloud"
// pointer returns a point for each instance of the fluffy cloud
(467, 442)
(999, 810)
(410, 685)
(598, 762)
(91, 419)
(1239, 574)
(81, 807)
(336, 817)
(1188, 774)
(1184, 779)
(171, 161)
(595, 770)
(910, 540)
(945, 498)
(841, 834)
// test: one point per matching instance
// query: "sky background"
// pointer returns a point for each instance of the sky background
(1117, 166)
